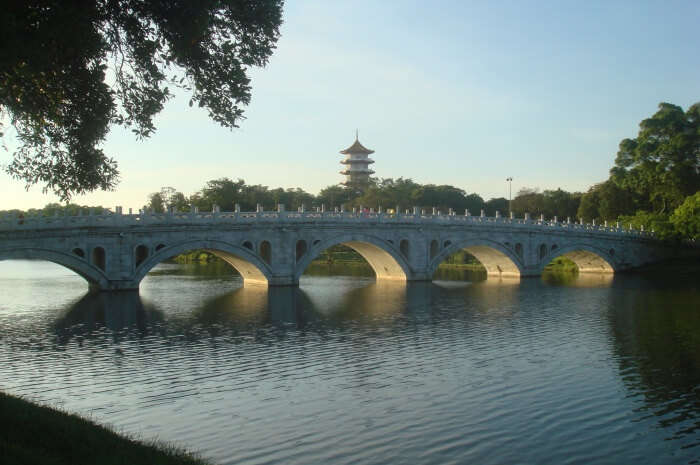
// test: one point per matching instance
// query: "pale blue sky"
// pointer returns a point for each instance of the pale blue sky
(446, 92)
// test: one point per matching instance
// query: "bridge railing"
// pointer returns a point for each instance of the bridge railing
(110, 219)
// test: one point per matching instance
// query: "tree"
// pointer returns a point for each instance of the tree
(686, 218)
(499, 204)
(156, 203)
(333, 196)
(606, 201)
(662, 165)
(58, 56)
(222, 192)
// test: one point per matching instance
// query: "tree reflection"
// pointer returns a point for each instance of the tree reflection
(657, 340)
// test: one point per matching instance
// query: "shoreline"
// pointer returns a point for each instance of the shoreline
(37, 434)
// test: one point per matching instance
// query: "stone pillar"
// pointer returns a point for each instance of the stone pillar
(237, 208)
(542, 217)
(568, 220)
(483, 213)
(342, 208)
(556, 219)
(512, 215)
(280, 207)
(498, 214)
(258, 208)
(434, 211)
(379, 209)
(466, 212)
(416, 211)
(527, 217)
(397, 211)
(323, 208)
(450, 212)
(130, 211)
(118, 210)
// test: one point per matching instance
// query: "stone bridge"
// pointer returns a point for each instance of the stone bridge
(115, 251)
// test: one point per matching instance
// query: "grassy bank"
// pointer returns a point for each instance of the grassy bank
(35, 435)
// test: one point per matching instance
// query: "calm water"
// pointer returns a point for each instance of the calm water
(345, 371)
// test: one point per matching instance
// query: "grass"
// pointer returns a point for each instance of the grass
(561, 265)
(31, 434)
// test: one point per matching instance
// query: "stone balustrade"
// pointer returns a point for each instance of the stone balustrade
(118, 219)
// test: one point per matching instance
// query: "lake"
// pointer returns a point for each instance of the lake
(345, 370)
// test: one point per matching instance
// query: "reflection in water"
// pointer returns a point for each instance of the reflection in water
(567, 369)
(115, 311)
(657, 339)
(578, 279)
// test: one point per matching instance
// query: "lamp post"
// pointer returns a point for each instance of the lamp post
(510, 180)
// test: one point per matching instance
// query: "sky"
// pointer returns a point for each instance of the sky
(464, 93)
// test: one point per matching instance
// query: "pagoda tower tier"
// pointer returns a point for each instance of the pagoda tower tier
(357, 163)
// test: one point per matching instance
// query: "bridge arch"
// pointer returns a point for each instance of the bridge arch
(498, 259)
(588, 259)
(251, 267)
(384, 258)
(95, 277)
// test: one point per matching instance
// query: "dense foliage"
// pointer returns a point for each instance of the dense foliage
(655, 182)
(70, 70)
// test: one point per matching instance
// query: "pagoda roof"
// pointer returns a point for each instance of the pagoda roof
(356, 147)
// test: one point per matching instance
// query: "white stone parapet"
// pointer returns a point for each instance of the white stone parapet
(109, 219)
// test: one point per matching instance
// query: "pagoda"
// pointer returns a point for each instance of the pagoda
(356, 163)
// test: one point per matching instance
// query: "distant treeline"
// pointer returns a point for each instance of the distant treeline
(388, 193)
(655, 184)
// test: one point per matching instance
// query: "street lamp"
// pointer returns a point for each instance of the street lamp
(510, 180)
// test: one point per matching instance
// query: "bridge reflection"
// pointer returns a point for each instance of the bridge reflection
(325, 301)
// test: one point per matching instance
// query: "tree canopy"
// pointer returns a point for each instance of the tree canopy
(70, 70)
(662, 165)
